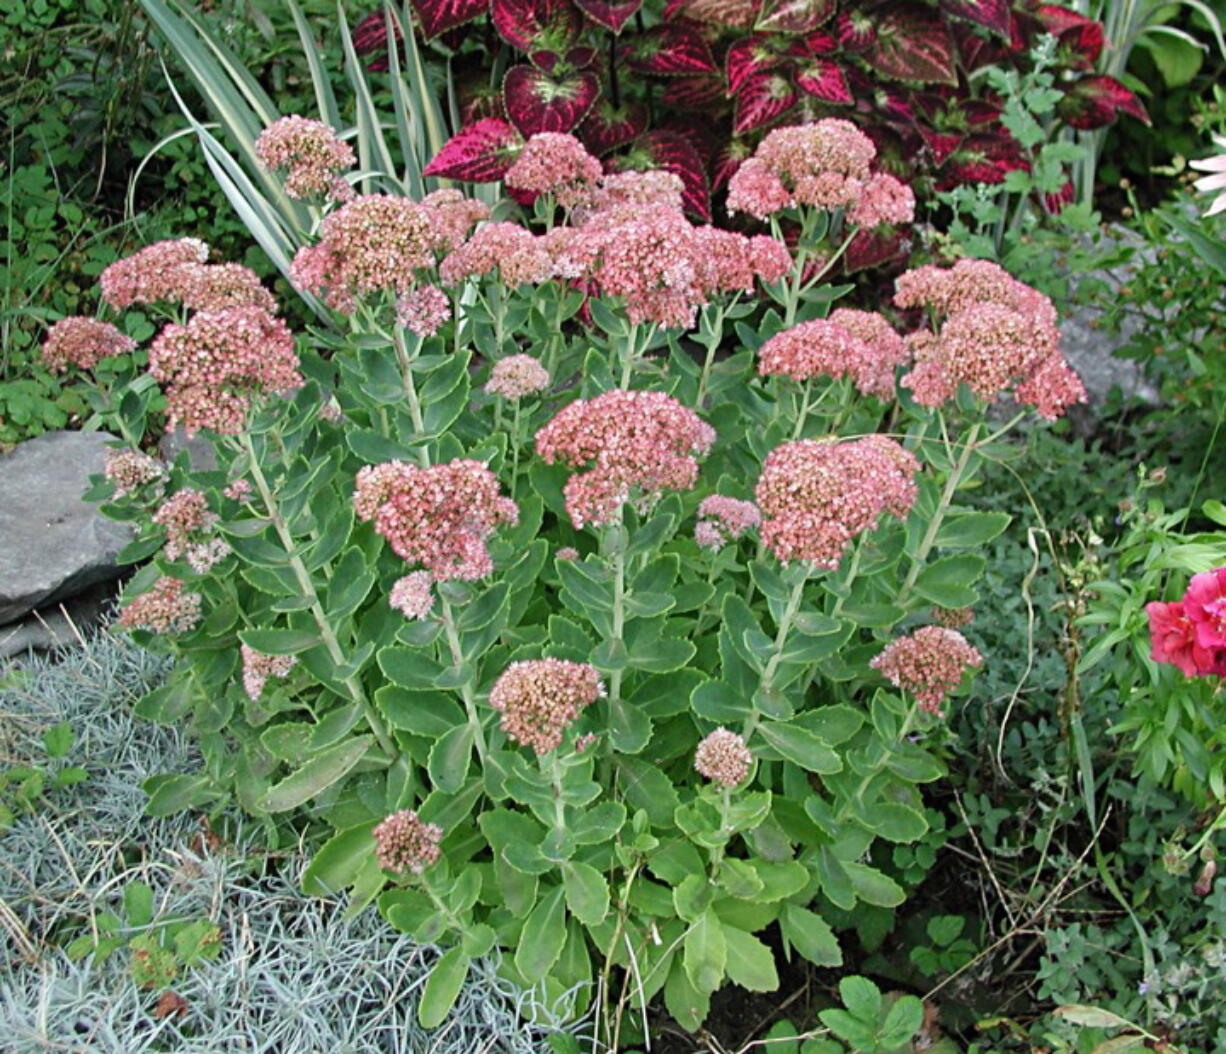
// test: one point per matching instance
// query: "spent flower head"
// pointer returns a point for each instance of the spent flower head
(633, 445)
(167, 607)
(404, 843)
(258, 668)
(539, 699)
(723, 758)
(183, 516)
(130, 470)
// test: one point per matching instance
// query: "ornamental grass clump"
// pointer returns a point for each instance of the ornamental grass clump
(541, 628)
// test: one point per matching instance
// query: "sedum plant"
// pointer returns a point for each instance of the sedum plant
(573, 592)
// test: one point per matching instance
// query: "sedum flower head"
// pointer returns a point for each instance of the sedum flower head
(817, 495)
(213, 368)
(182, 516)
(405, 843)
(633, 445)
(928, 663)
(540, 699)
(215, 287)
(423, 310)
(653, 186)
(258, 668)
(311, 155)
(812, 349)
(83, 343)
(130, 470)
(722, 519)
(723, 758)
(556, 164)
(412, 596)
(440, 516)
(514, 252)
(158, 273)
(517, 376)
(882, 200)
(454, 214)
(165, 608)
(373, 244)
(883, 350)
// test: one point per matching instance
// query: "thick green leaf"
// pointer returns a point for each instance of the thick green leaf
(442, 988)
(587, 893)
(896, 822)
(450, 757)
(316, 775)
(339, 860)
(705, 952)
(751, 964)
(279, 641)
(799, 745)
(947, 582)
(964, 530)
(811, 935)
(542, 938)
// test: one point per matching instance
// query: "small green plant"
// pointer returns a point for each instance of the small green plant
(949, 950)
(24, 787)
(159, 949)
(869, 1022)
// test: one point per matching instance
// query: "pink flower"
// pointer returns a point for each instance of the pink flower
(825, 164)
(1173, 639)
(374, 244)
(723, 758)
(1205, 604)
(928, 663)
(811, 349)
(239, 490)
(454, 214)
(423, 310)
(817, 495)
(519, 257)
(411, 595)
(214, 287)
(540, 699)
(219, 363)
(130, 470)
(182, 516)
(83, 342)
(165, 608)
(756, 188)
(406, 843)
(1216, 180)
(157, 273)
(883, 200)
(634, 445)
(654, 186)
(311, 154)
(440, 516)
(258, 667)
(722, 519)
(883, 350)
(556, 164)
(517, 376)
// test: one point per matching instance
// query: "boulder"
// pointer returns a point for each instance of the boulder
(53, 544)
(200, 454)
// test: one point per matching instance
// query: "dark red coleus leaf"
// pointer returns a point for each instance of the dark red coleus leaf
(727, 160)
(370, 35)
(751, 55)
(675, 153)
(479, 100)
(537, 102)
(609, 13)
(704, 94)
(1097, 101)
(479, 153)
(436, 16)
(671, 48)
(984, 159)
(736, 14)
(793, 16)
(854, 31)
(1080, 36)
(1057, 202)
(912, 45)
(992, 14)
(607, 126)
(824, 80)
(537, 25)
(874, 248)
(940, 144)
(558, 64)
(894, 105)
(819, 42)
(763, 98)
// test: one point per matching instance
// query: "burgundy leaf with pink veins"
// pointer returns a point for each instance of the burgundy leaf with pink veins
(671, 48)
(793, 16)
(537, 25)
(763, 98)
(537, 102)
(608, 13)
(438, 16)
(480, 152)
(824, 80)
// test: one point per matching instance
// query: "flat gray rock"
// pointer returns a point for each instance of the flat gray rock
(200, 455)
(53, 545)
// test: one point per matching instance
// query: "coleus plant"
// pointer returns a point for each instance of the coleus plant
(690, 85)
(611, 651)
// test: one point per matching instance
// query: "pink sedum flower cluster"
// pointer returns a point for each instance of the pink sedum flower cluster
(258, 668)
(404, 843)
(825, 165)
(423, 310)
(215, 287)
(131, 470)
(165, 608)
(992, 332)
(722, 519)
(817, 495)
(155, 274)
(514, 252)
(556, 164)
(374, 244)
(412, 595)
(1190, 634)
(83, 343)
(182, 516)
(723, 758)
(440, 516)
(213, 368)
(517, 376)
(311, 155)
(653, 186)
(540, 699)
(633, 444)
(928, 663)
